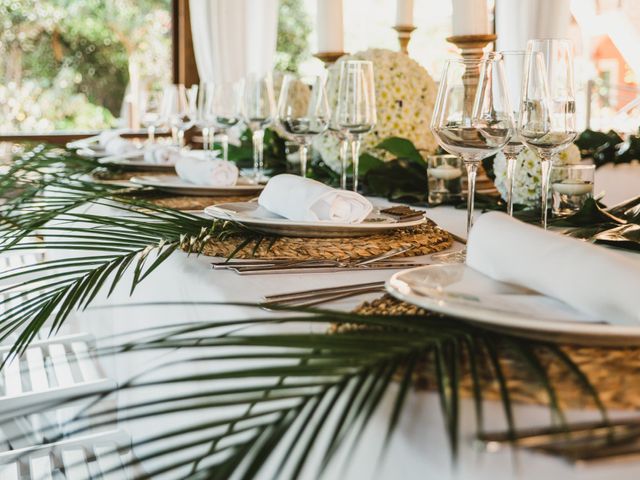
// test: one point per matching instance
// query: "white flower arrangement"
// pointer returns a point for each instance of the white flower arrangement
(405, 96)
(526, 189)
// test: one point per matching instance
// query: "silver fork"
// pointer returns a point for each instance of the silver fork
(322, 295)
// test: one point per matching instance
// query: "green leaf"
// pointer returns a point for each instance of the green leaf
(402, 148)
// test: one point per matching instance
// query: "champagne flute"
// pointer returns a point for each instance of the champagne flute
(205, 117)
(547, 118)
(303, 112)
(258, 111)
(183, 110)
(227, 104)
(333, 83)
(515, 62)
(472, 117)
(356, 110)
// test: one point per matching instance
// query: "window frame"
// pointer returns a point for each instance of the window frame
(184, 71)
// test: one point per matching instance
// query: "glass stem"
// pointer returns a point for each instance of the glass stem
(355, 158)
(545, 164)
(258, 153)
(511, 178)
(181, 138)
(211, 133)
(472, 170)
(151, 133)
(224, 140)
(344, 152)
(304, 151)
(174, 135)
(205, 138)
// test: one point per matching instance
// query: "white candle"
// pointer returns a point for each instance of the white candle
(445, 172)
(404, 13)
(470, 17)
(330, 26)
(569, 187)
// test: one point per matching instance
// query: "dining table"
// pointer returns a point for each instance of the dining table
(186, 289)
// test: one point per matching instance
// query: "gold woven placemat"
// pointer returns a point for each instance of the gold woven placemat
(614, 372)
(424, 239)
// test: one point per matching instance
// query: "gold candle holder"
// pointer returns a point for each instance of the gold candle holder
(404, 36)
(329, 58)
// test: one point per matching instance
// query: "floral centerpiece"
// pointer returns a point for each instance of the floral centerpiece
(526, 189)
(405, 96)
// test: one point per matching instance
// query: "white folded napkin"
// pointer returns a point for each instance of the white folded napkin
(200, 170)
(303, 199)
(114, 144)
(161, 153)
(598, 282)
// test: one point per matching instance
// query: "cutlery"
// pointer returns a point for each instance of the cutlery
(324, 268)
(312, 297)
(319, 291)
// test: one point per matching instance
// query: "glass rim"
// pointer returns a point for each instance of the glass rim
(467, 61)
(574, 166)
(442, 155)
(347, 61)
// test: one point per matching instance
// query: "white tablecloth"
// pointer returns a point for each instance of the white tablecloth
(419, 449)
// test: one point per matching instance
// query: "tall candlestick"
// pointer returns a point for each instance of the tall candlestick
(404, 13)
(330, 26)
(470, 17)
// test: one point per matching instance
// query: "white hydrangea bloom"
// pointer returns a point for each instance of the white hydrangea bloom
(405, 96)
(526, 189)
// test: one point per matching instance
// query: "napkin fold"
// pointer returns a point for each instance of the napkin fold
(204, 171)
(303, 199)
(161, 153)
(114, 144)
(595, 281)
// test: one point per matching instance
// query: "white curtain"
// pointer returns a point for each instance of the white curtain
(233, 38)
(520, 20)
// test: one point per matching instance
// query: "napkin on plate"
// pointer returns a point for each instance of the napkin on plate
(161, 153)
(303, 199)
(598, 282)
(197, 168)
(114, 144)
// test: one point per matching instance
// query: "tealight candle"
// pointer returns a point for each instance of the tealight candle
(569, 187)
(445, 172)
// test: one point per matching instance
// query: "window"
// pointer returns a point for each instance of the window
(70, 65)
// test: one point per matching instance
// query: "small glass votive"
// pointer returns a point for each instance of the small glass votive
(571, 186)
(444, 173)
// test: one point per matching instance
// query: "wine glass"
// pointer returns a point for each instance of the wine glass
(472, 117)
(258, 111)
(205, 118)
(514, 62)
(356, 110)
(547, 118)
(183, 110)
(303, 112)
(153, 110)
(333, 83)
(227, 104)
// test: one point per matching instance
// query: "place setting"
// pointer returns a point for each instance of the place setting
(253, 247)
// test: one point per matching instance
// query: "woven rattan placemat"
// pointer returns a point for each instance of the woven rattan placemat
(614, 372)
(424, 239)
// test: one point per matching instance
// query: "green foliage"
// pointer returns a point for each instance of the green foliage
(293, 35)
(275, 158)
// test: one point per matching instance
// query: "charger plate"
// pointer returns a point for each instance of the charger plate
(460, 291)
(174, 184)
(258, 218)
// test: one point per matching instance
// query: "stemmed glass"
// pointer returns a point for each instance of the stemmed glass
(514, 65)
(183, 110)
(547, 117)
(472, 117)
(258, 111)
(303, 112)
(154, 111)
(227, 105)
(342, 137)
(205, 118)
(356, 110)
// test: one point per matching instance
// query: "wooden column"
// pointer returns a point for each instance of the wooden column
(184, 61)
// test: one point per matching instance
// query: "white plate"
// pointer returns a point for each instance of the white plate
(174, 184)
(258, 218)
(460, 291)
(136, 162)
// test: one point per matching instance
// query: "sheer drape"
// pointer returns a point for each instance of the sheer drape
(519, 20)
(233, 38)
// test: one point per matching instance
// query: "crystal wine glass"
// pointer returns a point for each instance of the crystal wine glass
(153, 110)
(303, 112)
(183, 110)
(548, 115)
(514, 62)
(205, 118)
(333, 83)
(227, 104)
(472, 117)
(356, 110)
(258, 111)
